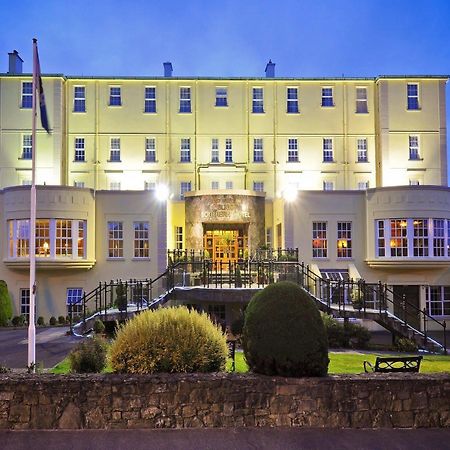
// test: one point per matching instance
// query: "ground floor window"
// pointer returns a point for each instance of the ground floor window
(74, 302)
(25, 303)
(438, 300)
(217, 312)
(179, 238)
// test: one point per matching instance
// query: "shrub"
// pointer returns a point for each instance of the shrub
(5, 304)
(169, 340)
(284, 334)
(40, 321)
(61, 320)
(345, 335)
(18, 321)
(4, 369)
(99, 326)
(89, 356)
(359, 336)
(52, 321)
(403, 344)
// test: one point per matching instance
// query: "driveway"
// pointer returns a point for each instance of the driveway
(52, 345)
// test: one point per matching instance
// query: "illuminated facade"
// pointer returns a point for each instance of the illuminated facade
(230, 152)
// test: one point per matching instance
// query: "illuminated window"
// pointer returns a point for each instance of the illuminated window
(79, 99)
(258, 150)
(327, 97)
(361, 100)
(319, 240)
(114, 150)
(185, 150)
(420, 240)
(115, 239)
(221, 96)
(141, 240)
(81, 240)
(292, 100)
(292, 150)
(185, 100)
(150, 150)
(328, 186)
(361, 150)
(179, 238)
(344, 239)
(63, 245)
(258, 186)
(115, 96)
(27, 146)
(327, 150)
(414, 147)
(25, 303)
(43, 245)
(214, 185)
(27, 94)
(150, 100)
(439, 237)
(258, 100)
(399, 237)
(80, 154)
(412, 93)
(185, 186)
(74, 301)
(215, 150)
(437, 300)
(381, 242)
(228, 150)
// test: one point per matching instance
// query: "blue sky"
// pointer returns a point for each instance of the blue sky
(231, 38)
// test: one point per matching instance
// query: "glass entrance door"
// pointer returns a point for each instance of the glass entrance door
(224, 245)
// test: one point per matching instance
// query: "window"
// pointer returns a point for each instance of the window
(115, 239)
(150, 100)
(414, 147)
(344, 239)
(269, 237)
(228, 150)
(439, 237)
(228, 185)
(63, 237)
(221, 96)
(361, 100)
(27, 146)
(414, 182)
(217, 312)
(363, 185)
(115, 186)
(319, 240)
(185, 150)
(258, 186)
(328, 185)
(43, 245)
(27, 94)
(258, 151)
(80, 154)
(215, 150)
(26, 182)
(258, 100)
(292, 150)
(74, 301)
(412, 93)
(185, 186)
(185, 100)
(420, 240)
(115, 96)
(79, 99)
(78, 184)
(214, 185)
(328, 150)
(149, 185)
(327, 96)
(292, 100)
(437, 300)
(25, 303)
(81, 238)
(114, 150)
(399, 237)
(150, 150)
(381, 250)
(141, 240)
(179, 238)
(361, 150)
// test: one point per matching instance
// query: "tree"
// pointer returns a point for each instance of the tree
(6, 310)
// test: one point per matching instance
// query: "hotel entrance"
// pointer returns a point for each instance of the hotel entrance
(225, 242)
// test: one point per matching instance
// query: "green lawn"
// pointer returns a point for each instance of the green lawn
(340, 362)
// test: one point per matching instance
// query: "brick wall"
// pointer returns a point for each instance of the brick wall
(222, 400)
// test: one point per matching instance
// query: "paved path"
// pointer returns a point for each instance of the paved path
(52, 345)
(229, 439)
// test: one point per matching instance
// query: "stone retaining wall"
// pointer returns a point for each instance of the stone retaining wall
(222, 400)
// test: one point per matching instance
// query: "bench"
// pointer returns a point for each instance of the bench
(394, 364)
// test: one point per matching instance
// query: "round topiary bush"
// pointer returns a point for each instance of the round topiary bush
(169, 340)
(284, 334)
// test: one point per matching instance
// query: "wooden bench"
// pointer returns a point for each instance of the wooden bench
(394, 364)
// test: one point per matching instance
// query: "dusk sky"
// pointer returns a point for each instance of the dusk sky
(231, 38)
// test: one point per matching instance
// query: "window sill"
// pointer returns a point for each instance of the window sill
(328, 107)
(328, 161)
(258, 112)
(51, 263)
(258, 162)
(361, 112)
(115, 106)
(292, 161)
(114, 160)
(24, 159)
(415, 159)
(154, 161)
(154, 113)
(408, 263)
(185, 162)
(184, 112)
(362, 161)
(413, 110)
(221, 106)
(143, 258)
(112, 258)
(321, 258)
(293, 113)
(79, 112)
(79, 161)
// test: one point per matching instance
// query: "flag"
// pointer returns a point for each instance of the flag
(40, 89)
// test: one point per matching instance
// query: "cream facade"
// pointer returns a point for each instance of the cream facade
(355, 154)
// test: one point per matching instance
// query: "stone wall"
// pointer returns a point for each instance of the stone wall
(223, 400)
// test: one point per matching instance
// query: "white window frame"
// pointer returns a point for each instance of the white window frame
(185, 186)
(115, 185)
(292, 100)
(344, 248)
(228, 150)
(328, 185)
(79, 99)
(114, 149)
(74, 298)
(327, 97)
(214, 185)
(292, 155)
(437, 301)
(258, 186)
(221, 97)
(327, 146)
(319, 239)
(115, 96)
(79, 154)
(150, 149)
(228, 185)
(258, 150)
(26, 95)
(150, 99)
(214, 150)
(141, 242)
(24, 294)
(412, 100)
(361, 150)
(414, 147)
(361, 100)
(27, 146)
(258, 100)
(179, 238)
(185, 150)
(115, 239)
(185, 100)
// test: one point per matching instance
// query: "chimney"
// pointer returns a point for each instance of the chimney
(15, 62)
(168, 69)
(270, 69)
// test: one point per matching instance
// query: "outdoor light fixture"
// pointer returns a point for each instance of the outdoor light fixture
(162, 192)
(290, 193)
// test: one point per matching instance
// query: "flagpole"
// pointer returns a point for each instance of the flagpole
(32, 251)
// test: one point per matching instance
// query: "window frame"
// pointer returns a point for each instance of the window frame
(257, 100)
(344, 248)
(185, 150)
(79, 154)
(26, 98)
(361, 150)
(221, 97)
(150, 101)
(362, 106)
(412, 100)
(27, 147)
(328, 153)
(292, 104)
(74, 307)
(319, 241)
(414, 147)
(115, 236)
(150, 150)
(292, 154)
(79, 101)
(185, 100)
(327, 98)
(228, 150)
(141, 239)
(258, 150)
(115, 152)
(115, 99)
(185, 186)
(215, 150)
